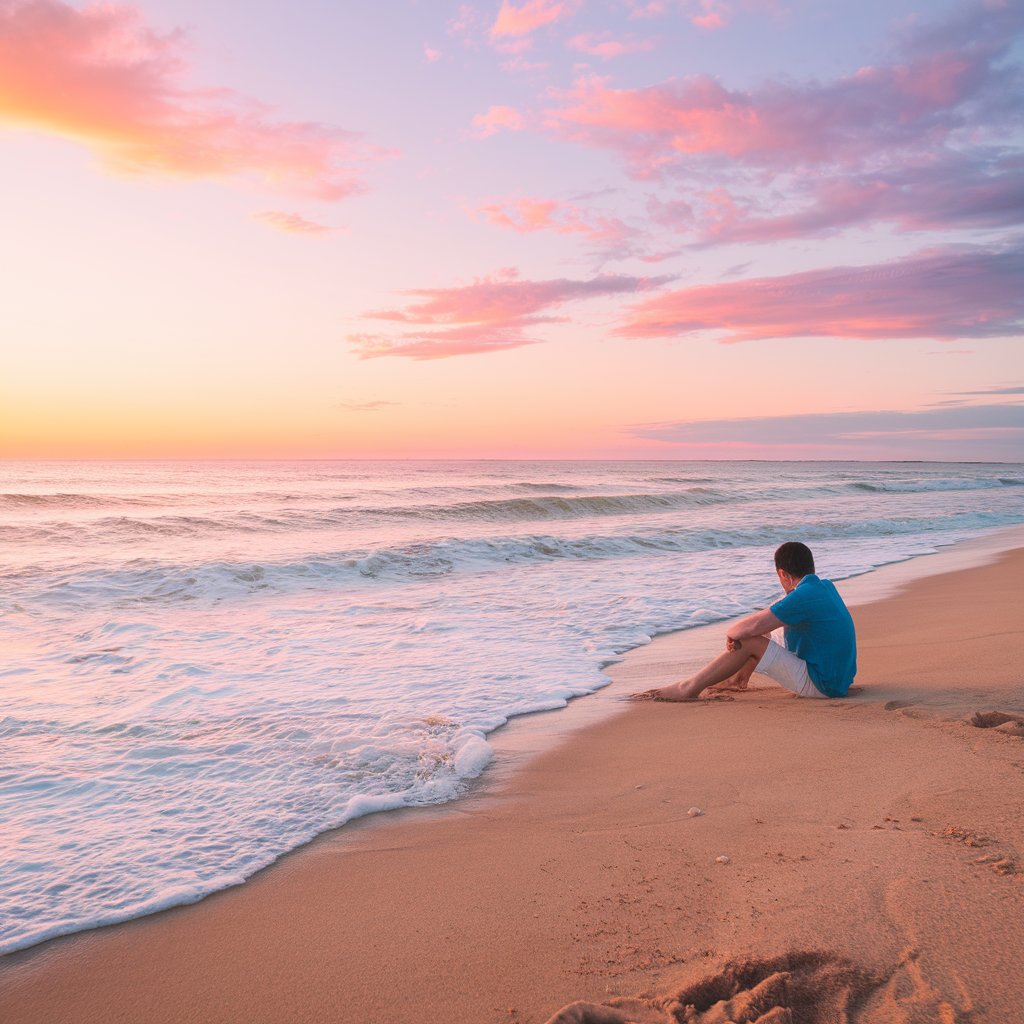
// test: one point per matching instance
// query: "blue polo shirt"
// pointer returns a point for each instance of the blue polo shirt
(819, 630)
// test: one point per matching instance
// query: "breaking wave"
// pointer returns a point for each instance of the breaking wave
(144, 581)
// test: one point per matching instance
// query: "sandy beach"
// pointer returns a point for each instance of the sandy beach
(874, 864)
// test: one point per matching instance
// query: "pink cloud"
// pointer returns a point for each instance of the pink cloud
(465, 24)
(454, 341)
(503, 298)
(526, 215)
(705, 14)
(431, 54)
(292, 223)
(663, 125)
(657, 257)
(647, 8)
(968, 292)
(491, 314)
(99, 75)
(942, 87)
(713, 15)
(528, 17)
(605, 46)
(652, 127)
(496, 119)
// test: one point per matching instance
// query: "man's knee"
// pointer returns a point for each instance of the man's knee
(755, 646)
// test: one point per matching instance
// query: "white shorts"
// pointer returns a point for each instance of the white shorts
(787, 670)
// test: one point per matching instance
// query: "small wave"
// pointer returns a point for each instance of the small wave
(527, 485)
(176, 526)
(73, 501)
(76, 501)
(938, 485)
(685, 480)
(553, 506)
(118, 529)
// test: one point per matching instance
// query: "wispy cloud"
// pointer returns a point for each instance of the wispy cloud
(647, 8)
(529, 214)
(710, 14)
(961, 292)
(505, 297)
(993, 391)
(526, 18)
(496, 119)
(491, 314)
(372, 406)
(465, 24)
(937, 432)
(293, 223)
(1010, 393)
(607, 46)
(431, 54)
(471, 339)
(939, 193)
(99, 75)
(518, 64)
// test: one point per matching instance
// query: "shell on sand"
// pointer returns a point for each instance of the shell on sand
(722, 860)
(694, 812)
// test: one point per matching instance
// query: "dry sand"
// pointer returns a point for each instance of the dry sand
(874, 846)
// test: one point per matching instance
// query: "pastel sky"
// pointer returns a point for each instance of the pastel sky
(512, 228)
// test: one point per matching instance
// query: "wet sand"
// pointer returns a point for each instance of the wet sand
(874, 868)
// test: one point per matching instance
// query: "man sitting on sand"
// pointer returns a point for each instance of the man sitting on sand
(820, 656)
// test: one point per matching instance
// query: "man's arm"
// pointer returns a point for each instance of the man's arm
(759, 624)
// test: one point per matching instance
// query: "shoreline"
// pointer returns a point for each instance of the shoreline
(531, 733)
(534, 751)
(536, 732)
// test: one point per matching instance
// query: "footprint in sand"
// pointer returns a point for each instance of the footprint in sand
(1002, 721)
(898, 705)
(810, 987)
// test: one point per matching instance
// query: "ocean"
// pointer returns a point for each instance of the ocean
(204, 665)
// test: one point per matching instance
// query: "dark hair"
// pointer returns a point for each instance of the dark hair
(795, 558)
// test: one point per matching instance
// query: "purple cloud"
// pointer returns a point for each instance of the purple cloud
(957, 292)
(960, 431)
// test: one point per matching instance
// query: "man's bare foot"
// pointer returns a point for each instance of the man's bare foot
(730, 685)
(674, 693)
